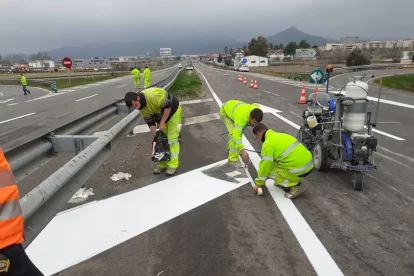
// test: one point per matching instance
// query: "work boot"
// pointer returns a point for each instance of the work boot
(158, 170)
(295, 191)
(171, 171)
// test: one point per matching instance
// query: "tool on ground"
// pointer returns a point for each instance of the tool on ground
(4, 264)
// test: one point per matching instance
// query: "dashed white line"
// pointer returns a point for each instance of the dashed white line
(121, 85)
(86, 97)
(9, 120)
(8, 100)
(271, 93)
(12, 104)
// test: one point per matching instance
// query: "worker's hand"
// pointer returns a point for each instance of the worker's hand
(161, 126)
(258, 190)
(245, 156)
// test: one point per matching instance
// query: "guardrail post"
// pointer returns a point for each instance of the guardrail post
(53, 87)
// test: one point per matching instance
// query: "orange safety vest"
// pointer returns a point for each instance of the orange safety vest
(11, 217)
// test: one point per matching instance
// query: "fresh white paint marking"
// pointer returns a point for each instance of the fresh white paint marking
(317, 254)
(121, 85)
(387, 134)
(87, 97)
(9, 120)
(268, 92)
(187, 121)
(67, 90)
(196, 101)
(12, 104)
(129, 214)
(8, 100)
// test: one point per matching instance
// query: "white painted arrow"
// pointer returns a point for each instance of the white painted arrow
(92, 228)
(267, 109)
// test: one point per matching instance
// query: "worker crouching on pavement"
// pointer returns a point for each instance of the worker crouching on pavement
(158, 106)
(13, 259)
(236, 115)
(284, 159)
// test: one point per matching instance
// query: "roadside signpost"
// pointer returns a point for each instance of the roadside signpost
(67, 63)
(244, 60)
(316, 76)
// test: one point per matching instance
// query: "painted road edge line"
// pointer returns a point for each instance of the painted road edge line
(122, 85)
(317, 254)
(86, 98)
(9, 120)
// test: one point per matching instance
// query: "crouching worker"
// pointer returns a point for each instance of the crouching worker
(284, 159)
(236, 115)
(157, 106)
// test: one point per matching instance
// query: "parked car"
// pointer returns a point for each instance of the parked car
(244, 68)
(180, 66)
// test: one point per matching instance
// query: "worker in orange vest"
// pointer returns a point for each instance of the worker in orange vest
(13, 258)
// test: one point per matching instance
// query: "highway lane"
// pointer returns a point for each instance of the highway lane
(37, 116)
(12, 94)
(368, 232)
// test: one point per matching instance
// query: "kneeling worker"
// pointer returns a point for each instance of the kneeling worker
(236, 115)
(284, 159)
(158, 106)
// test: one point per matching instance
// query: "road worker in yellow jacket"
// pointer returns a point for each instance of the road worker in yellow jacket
(13, 259)
(284, 159)
(136, 75)
(147, 77)
(158, 106)
(236, 115)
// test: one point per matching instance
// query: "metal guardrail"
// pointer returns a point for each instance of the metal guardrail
(42, 203)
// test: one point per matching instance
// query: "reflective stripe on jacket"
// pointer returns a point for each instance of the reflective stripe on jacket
(239, 112)
(11, 217)
(284, 151)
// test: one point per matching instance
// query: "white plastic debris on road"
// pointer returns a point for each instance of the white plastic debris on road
(120, 176)
(81, 195)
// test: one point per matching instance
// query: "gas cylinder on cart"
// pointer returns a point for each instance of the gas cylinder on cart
(354, 115)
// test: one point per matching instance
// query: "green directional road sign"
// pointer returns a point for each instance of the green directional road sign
(316, 76)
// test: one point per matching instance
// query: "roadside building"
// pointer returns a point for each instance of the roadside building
(257, 61)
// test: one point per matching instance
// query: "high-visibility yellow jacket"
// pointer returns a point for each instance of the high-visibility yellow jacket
(24, 81)
(284, 151)
(11, 217)
(135, 73)
(147, 74)
(239, 112)
(153, 101)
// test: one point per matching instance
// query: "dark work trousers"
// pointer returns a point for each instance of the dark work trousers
(20, 264)
(25, 89)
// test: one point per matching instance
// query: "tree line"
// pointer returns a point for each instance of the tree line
(21, 58)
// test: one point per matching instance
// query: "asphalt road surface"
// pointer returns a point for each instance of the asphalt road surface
(28, 117)
(144, 227)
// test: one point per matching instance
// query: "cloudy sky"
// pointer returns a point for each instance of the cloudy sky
(32, 25)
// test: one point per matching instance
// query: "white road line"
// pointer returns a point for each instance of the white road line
(317, 254)
(12, 104)
(9, 120)
(387, 134)
(86, 98)
(270, 93)
(67, 90)
(186, 122)
(121, 85)
(196, 101)
(8, 100)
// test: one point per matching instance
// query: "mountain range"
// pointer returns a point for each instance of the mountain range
(191, 45)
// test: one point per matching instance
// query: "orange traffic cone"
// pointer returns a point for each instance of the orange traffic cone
(240, 79)
(227, 73)
(251, 83)
(255, 84)
(245, 81)
(302, 99)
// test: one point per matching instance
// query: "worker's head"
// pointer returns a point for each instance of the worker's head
(256, 116)
(132, 99)
(259, 130)
(21, 74)
(146, 66)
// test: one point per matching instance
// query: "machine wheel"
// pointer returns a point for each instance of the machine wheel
(358, 181)
(320, 157)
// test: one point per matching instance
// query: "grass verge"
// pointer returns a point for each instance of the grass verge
(65, 83)
(186, 86)
(402, 82)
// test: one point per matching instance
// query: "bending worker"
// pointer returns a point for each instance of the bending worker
(13, 259)
(236, 115)
(147, 77)
(136, 74)
(158, 106)
(284, 159)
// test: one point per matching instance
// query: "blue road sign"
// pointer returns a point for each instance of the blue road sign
(244, 60)
(316, 76)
